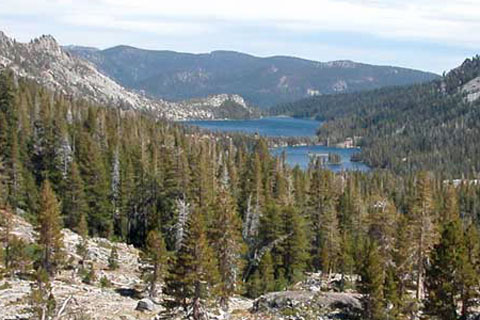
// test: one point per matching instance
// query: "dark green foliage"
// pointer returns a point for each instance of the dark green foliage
(193, 275)
(443, 284)
(294, 249)
(426, 126)
(50, 237)
(74, 202)
(470, 268)
(113, 259)
(105, 283)
(41, 296)
(372, 283)
(89, 275)
(156, 256)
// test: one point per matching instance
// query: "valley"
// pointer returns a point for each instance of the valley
(152, 184)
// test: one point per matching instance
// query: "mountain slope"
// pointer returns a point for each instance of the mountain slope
(433, 125)
(44, 61)
(261, 81)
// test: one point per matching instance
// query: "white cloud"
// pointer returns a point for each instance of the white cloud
(442, 21)
(221, 23)
(113, 22)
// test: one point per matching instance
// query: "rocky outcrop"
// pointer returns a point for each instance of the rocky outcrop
(145, 305)
(472, 89)
(82, 301)
(275, 301)
(46, 62)
(123, 294)
(309, 305)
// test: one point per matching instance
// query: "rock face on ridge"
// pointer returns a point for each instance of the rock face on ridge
(46, 62)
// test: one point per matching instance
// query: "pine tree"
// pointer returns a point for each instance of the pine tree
(113, 258)
(330, 238)
(82, 230)
(156, 256)
(7, 224)
(382, 221)
(267, 273)
(323, 222)
(42, 300)
(19, 258)
(75, 205)
(295, 247)
(372, 284)
(15, 256)
(49, 228)
(90, 276)
(346, 259)
(442, 283)
(254, 285)
(269, 233)
(451, 208)
(390, 291)
(402, 255)
(3, 187)
(470, 269)
(93, 172)
(194, 274)
(15, 178)
(227, 241)
(424, 229)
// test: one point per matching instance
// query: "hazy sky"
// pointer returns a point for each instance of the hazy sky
(434, 35)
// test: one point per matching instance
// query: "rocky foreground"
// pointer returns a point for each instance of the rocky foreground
(120, 293)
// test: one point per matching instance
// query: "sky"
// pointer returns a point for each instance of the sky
(431, 35)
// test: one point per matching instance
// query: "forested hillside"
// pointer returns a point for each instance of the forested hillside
(217, 217)
(263, 82)
(427, 126)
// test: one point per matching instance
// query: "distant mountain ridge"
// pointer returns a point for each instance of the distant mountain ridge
(261, 81)
(46, 62)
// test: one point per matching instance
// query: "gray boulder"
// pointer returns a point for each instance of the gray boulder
(309, 305)
(145, 305)
(282, 300)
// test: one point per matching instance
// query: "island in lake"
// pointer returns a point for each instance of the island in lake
(288, 127)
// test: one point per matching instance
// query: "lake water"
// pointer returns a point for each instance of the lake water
(269, 126)
(286, 127)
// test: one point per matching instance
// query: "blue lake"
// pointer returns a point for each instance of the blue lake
(300, 156)
(286, 127)
(270, 126)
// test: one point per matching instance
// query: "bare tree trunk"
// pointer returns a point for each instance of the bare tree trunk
(153, 284)
(196, 302)
(420, 269)
(64, 305)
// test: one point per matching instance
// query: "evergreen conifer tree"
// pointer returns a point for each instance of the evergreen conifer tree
(75, 205)
(113, 258)
(227, 241)
(193, 275)
(372, 282)
(49, 228)
(424, 228)
(443, 284)
(156, 256)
